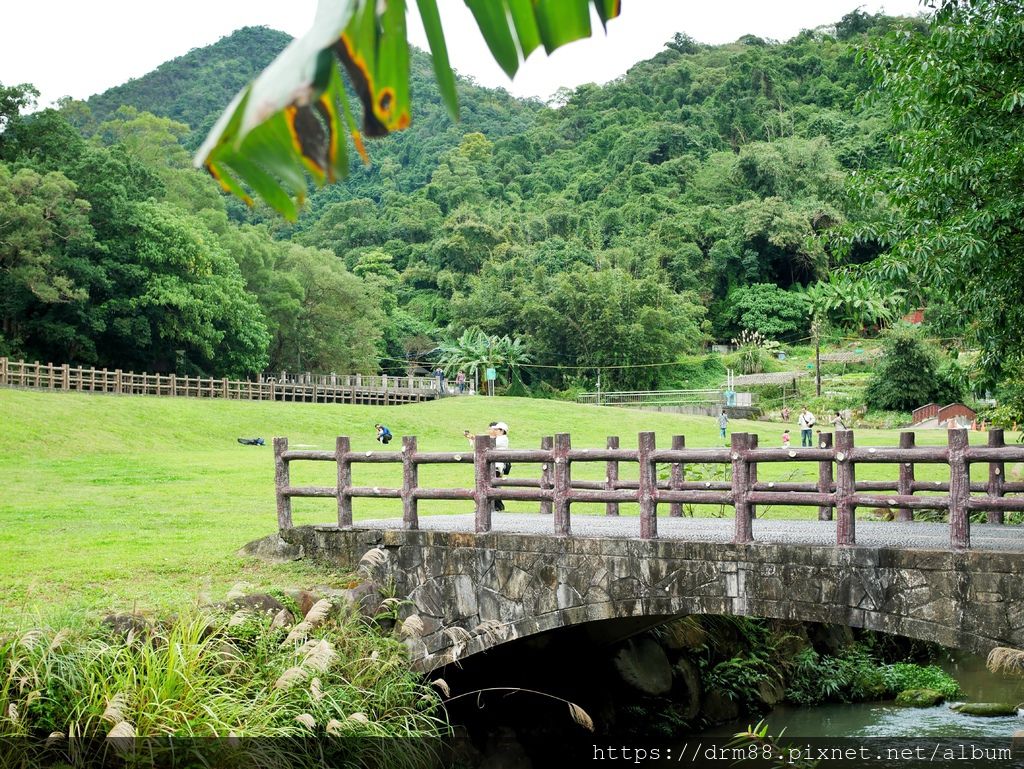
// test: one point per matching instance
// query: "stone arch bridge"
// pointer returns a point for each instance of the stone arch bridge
(474, 591)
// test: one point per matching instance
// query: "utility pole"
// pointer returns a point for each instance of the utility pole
(599, 387)
(490, 365)
(817, 358)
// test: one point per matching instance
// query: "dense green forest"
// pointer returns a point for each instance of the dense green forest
(194, 88)
(696, 197)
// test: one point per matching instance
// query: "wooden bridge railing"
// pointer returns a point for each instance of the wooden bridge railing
(308, 388)
(372, 381)
(836, 488)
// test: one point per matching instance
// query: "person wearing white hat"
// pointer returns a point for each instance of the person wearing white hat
(498, 431)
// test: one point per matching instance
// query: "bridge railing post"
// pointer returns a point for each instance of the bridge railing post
(611, 476)
(647, 493)
(482, 444)
(282, 481)
(959, 490)
(410, 479)
(562, 486)
(740, 443)
(846, 486)
(996, 476)
(677, 476)
(547, 443)
(752, 474)
(825, 476)
(905, 484)
(342, 447)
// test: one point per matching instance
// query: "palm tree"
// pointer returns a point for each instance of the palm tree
(510, 353)
(852, 303)
(475, 350)
(469, 353)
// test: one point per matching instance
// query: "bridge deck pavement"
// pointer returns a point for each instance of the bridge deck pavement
(875, 534)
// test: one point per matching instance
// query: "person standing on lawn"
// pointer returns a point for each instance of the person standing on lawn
(498, 431)
(806, 422)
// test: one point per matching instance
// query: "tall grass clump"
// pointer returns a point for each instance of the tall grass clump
(288, 693)
(851, 676)
(1006, 661)
(856, 676)
(904, 675)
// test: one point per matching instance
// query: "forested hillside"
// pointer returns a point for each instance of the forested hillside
(627, 224)
(194, 88)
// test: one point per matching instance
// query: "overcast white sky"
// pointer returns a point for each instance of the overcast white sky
(78, 48)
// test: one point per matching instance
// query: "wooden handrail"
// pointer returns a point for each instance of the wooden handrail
(836, 488)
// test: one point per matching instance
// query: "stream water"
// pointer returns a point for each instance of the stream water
(886, 730)
(523, 688)
(885, 719)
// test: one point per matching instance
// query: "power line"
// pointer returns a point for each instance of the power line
(553, 366)
(625, 366)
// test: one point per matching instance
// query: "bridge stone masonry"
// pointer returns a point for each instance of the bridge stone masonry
(475, 581)
(473, 591)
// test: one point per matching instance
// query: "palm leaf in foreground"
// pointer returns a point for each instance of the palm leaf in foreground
(288, 124)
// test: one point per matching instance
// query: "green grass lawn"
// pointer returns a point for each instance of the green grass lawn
(109, 502)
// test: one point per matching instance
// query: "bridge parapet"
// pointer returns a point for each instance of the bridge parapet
(837, 487)
(470, 592)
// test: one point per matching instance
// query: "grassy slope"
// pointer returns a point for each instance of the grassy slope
(108, 501)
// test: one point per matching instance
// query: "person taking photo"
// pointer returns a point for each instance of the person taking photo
(498, 431)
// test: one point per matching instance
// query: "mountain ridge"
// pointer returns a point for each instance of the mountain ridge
(196, 89)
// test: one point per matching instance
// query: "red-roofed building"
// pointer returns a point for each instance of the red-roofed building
(915, 317)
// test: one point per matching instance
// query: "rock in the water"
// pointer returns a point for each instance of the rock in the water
(643, 665)
(686, 689)
(718, 708)
(986, 709)
(771, 692)
(920, 698)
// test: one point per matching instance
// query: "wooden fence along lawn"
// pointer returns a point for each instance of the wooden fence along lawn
(305, 388)
(836, 488)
